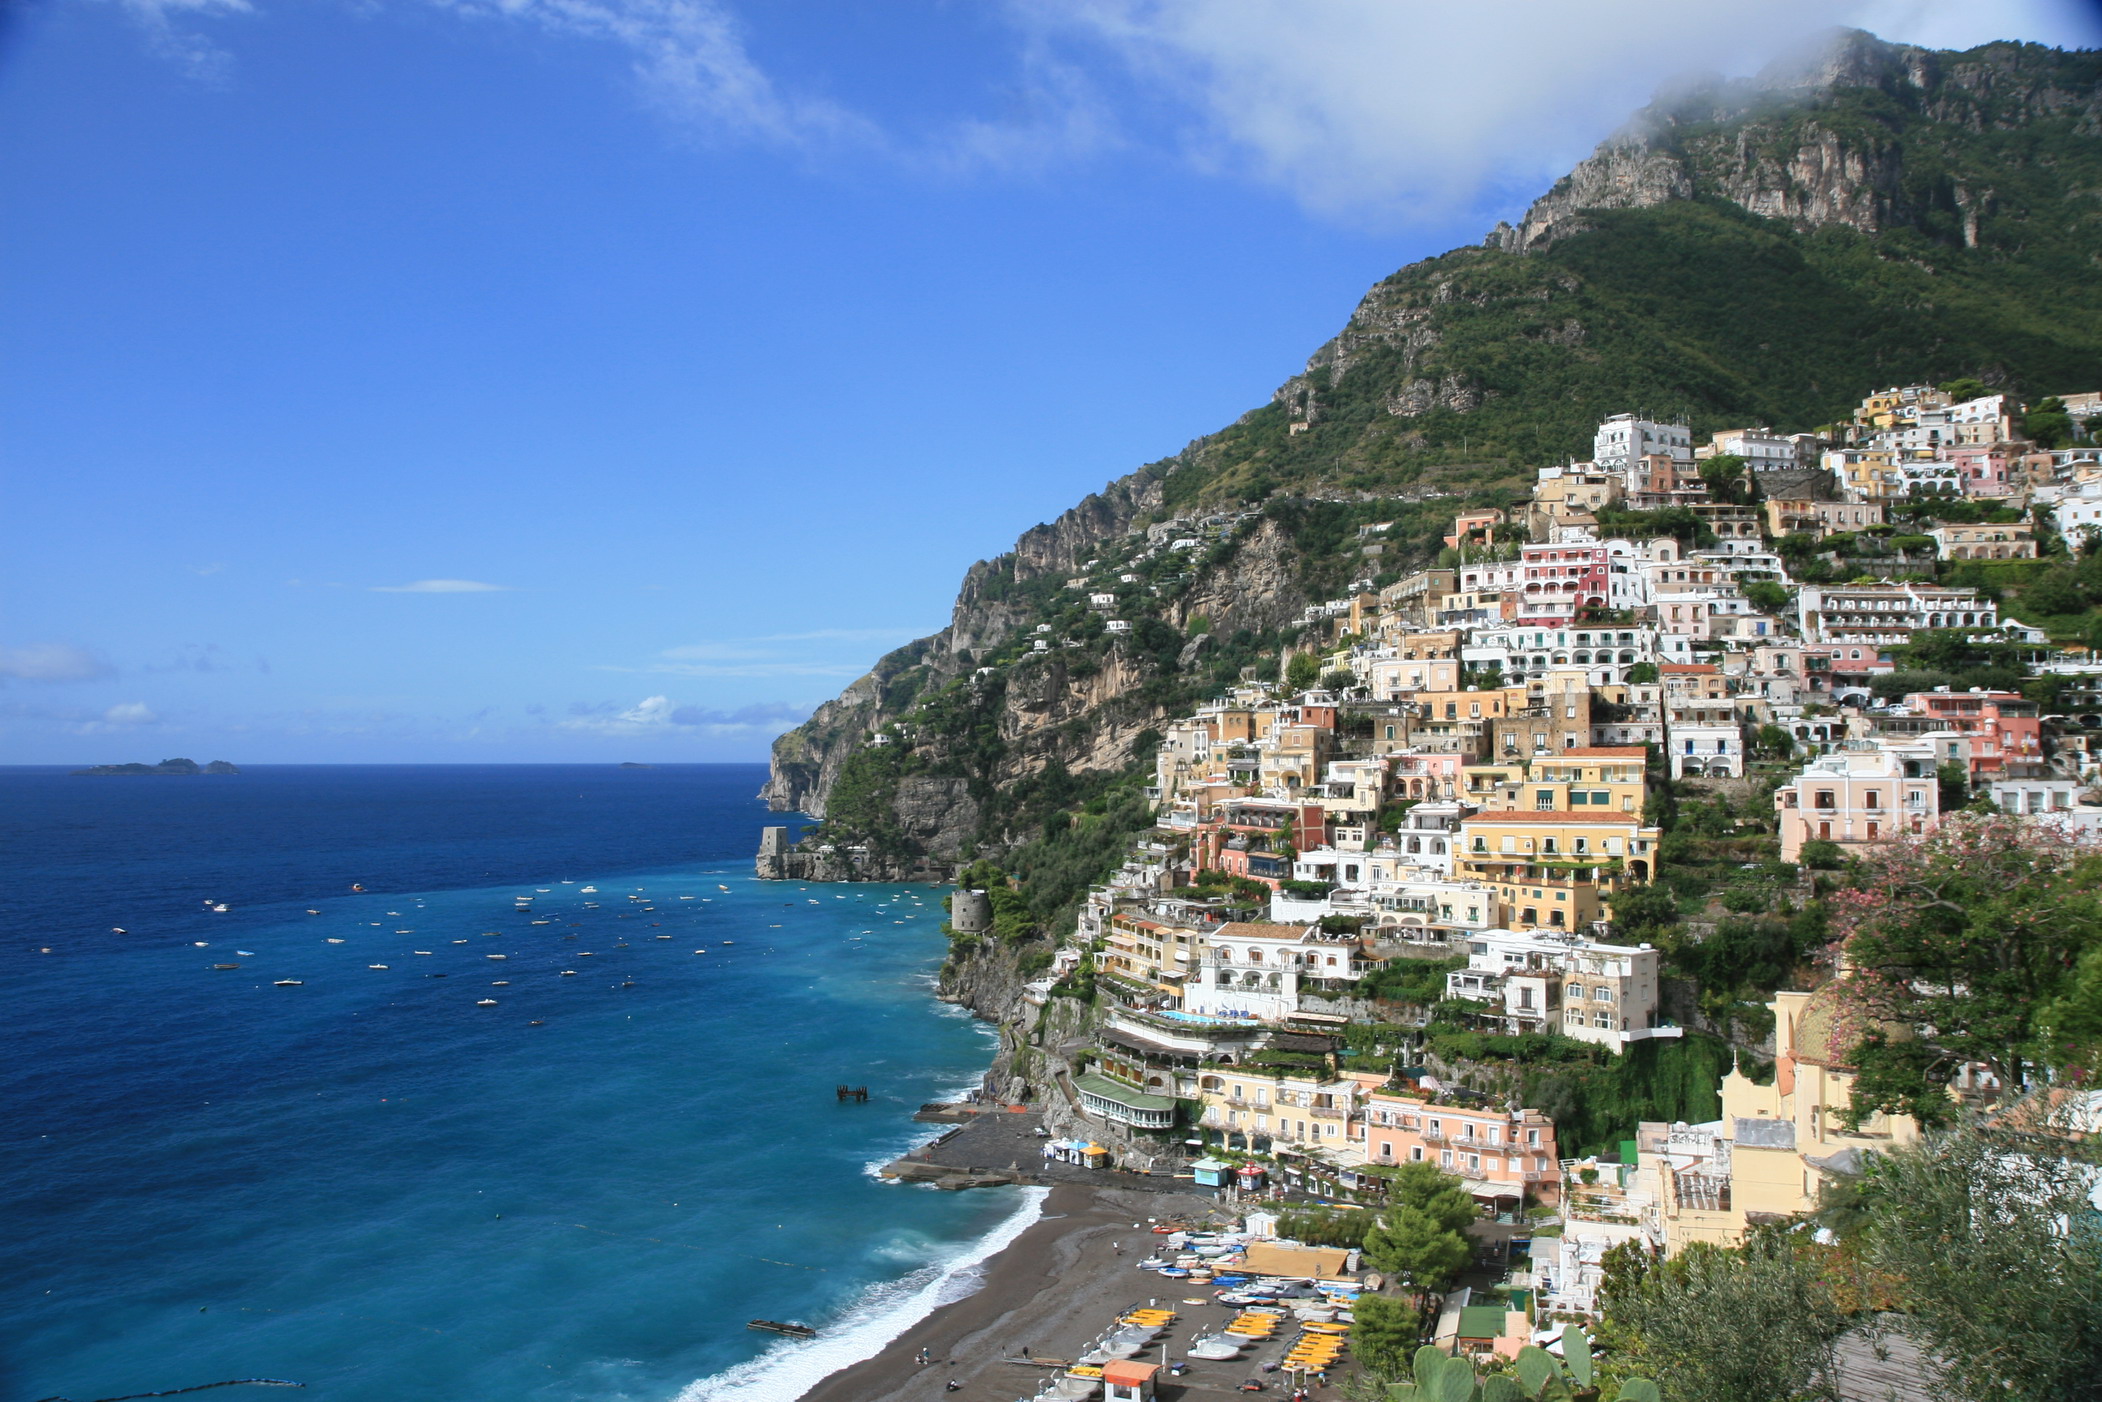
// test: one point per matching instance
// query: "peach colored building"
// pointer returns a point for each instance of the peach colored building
(1503, 1155)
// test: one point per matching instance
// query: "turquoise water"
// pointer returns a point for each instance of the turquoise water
(372, 1185)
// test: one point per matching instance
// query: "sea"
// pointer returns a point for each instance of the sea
(545, 1111)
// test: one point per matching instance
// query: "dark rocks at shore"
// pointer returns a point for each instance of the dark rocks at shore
(166, 766)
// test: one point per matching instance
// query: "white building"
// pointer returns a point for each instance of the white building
(2055, 800)
(1257, 970)
(1762, 449)
(1886, 614)
(1540, 981)
(1706, 752)
(1624, 439)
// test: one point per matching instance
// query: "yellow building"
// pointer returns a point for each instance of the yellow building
(1766, 1159)
(1555, 870)
(1150, 954)
(1591, 779)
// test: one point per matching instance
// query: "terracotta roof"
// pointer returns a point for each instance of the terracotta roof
(1604, 752)
(1258, 929)
(1687, 667)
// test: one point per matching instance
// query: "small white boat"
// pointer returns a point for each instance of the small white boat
(375, 966)
(496, 956)
(569, 973)
(290, 982)
(419, 951)
(312, 911)
(485, 1002)
(500, 983)
(334, 940)
(245, 953)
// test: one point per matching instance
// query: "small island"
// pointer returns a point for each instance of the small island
(631, 764)
(166, 766)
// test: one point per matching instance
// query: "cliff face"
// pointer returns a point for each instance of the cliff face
(1846, 137)
(1750, 251)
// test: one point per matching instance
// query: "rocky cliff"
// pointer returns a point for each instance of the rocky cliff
(1751, 251)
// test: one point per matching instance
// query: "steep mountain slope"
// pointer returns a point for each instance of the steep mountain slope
(1764, 250)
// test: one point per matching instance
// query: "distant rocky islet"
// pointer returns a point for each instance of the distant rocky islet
(166, 766)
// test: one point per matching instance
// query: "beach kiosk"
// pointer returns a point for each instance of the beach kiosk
(1095, 1156)
(1211, 1173)
(1251, 1178)
(1125, 1381)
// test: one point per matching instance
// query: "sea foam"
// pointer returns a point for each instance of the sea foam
(883, 1312)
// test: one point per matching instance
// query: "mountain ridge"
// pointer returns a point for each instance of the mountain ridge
(1750, 250)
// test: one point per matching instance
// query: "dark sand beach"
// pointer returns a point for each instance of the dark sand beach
(1054, 1290)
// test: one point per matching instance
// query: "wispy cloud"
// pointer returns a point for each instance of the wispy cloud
(1356, 109)
(660, 715)
(168, 28)
(812, 654)
(52, 662)
(129, 713)
(442, 586)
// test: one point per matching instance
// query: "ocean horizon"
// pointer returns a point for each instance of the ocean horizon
(433, 1140)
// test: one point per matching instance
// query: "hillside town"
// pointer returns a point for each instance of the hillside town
(1455, 775)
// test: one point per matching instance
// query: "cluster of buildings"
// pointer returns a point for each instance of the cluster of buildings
(1471, 779)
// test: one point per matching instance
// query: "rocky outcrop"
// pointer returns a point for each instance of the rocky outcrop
(1789, 144)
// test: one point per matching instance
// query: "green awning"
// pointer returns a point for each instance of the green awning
(1121, 1094)
(1482, 1322)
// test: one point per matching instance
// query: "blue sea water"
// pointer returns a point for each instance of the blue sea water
(370, 1184)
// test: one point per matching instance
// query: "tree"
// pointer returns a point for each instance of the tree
(1728, 478)
(1766, 595)
(2047, 424)
(1641, 673)
(2054, 592)
(1384, 1334)
(1302, 671)
(1776, 741)
(1955, 942)
(1991, 1240)
(1757, 1323)
(2072, 1022)
(1964, 388)
(1421, 1239)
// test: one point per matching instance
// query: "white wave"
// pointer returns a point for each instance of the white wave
(788, 1370)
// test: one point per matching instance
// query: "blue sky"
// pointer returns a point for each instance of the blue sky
(527, 380)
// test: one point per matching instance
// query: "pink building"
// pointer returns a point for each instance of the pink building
(1860, 795)
(2003, 726)
(1503, 1155)
(1557, 580)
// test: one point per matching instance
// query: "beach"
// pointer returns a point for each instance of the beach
(1052, 1292)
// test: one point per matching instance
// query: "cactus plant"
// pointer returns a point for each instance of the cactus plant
(1541, 1377)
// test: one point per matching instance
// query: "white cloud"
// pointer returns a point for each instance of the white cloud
(1372, 107)
(165, 24)
(691, 59)
(1361, 110)
(442, 586)
(130, 713)
(52, 662)
(660, 715)
(811, 654)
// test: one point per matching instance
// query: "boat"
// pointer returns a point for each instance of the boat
(375, 966)
(333, 940)
(496, 956)
(485, 1002)
(776, 1326)
(290, 982)
(569, 973)
(312, 911)
(226, 966)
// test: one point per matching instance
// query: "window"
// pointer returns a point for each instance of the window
(1823, 799)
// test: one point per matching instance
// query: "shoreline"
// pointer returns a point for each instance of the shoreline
(1050, 1291)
